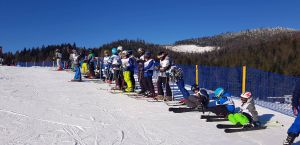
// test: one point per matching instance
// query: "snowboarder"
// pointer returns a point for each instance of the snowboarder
(127, 67)
(176, 75)
(163, 78)
(294, 130)
(148, 73)
(242, 117)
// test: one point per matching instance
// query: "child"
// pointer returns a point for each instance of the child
(242, 117)
(224, 103)
(199, 99)
(176, 75)
(75, 57)
(127, 66)
(148, 73)
(115, 62)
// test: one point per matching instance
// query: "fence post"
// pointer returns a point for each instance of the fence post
(244, 79)
(197, 76)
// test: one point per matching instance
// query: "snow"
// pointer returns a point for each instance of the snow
(191, 48)
(39, 107)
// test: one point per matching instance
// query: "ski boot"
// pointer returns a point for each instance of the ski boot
(290, 139)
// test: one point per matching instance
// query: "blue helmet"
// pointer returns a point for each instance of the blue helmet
(219, 92)
(114, 51)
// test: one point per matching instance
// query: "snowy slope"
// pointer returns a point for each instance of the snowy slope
(39, 107)
(191, 48)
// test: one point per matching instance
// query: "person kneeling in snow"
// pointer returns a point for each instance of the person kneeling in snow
(199, 99)
(224, 103)
(242, 117)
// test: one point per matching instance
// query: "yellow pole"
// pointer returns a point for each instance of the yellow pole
(244, 79)
(197, 79)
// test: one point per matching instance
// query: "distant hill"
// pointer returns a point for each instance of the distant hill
(269, 49)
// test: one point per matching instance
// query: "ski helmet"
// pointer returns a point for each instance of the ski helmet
(114, 51)
(246, 95)
(147, 54)
(125, 53)
(219, 92)
(120, 48)
(194, 87)
(141, 50)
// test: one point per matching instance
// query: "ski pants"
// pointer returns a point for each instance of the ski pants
(163, 81)
(127, 79)
(141, 80)
(91, 69)
(58, 62)
(295, 128)
(239, 118)
(77, 73)
(149, 84)
(219, 110)
(118, 78)
(84, 68)
(180, 84)
(132, 79)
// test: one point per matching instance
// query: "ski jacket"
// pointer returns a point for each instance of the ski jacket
(296, 96)
(105, 62)
(164, 67)
(175, 73)
(127, 64)
(148, 68)
(115, 62)
(249, 107)
(226, 100)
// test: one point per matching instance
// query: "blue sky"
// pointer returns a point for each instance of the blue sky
(91, 23)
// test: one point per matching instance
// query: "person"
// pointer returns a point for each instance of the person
(58, 57)
(176, 75)
(140, 62)
(294, 130)
(106, 66)
(127, 67)
(115, 62)
(242, 117)
(148, 73)
(75, 58)
(224, 104)
(131, 56)
(199, 99)
(165, 65)
(91, 64)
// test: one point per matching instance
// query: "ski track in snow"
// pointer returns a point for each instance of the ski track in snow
(39, 106)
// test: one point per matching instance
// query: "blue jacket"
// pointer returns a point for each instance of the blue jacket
(148, 68)
(227, 100)
(296, 95)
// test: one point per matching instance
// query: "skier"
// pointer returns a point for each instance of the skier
(91, 64)
(115, 62)
(199, 99)
(127, 67)
(75, 58)
(294, 130)
(140, 62)
(58, 57)
(106, 66)
(224, 103)
(148, 73)
(84, 66)
(131, 56)
(163, 78)
(176, 75)
(242, 117)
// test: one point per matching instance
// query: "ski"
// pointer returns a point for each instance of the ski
(154, 100)
(183, 109)
(221, 126)
(211, 116)
(233, 130)
(216, 119)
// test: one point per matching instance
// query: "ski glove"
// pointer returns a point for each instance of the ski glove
(295, 111)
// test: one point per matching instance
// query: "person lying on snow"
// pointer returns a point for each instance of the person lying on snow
(247, 116)
(199, 100)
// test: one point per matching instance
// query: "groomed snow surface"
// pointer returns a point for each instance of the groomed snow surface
(40, 107)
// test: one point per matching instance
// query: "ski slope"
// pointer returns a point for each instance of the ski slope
(40, 107)
(192, 48)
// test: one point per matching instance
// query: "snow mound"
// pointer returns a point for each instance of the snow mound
(192, 48)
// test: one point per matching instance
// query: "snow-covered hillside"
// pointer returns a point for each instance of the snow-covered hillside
(191, 48)
(40, 107)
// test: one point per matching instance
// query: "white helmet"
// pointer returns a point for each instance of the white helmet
(246, 95)
(120, 48)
